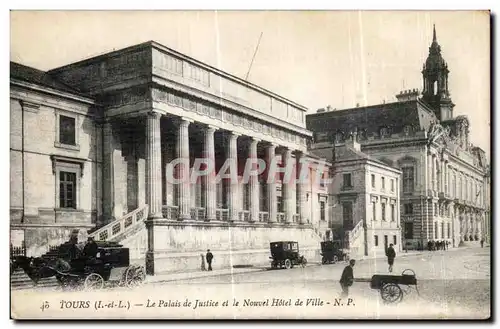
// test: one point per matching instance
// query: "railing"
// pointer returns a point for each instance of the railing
(263, 216)
(280, 217)
(222, 214)
(119, 226)
(295, 218)
(244, 216)
(198, 213)
(18, 251)
(170, 212)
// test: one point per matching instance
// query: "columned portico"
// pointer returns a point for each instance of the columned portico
(153, 160)
(254, 182)
(271, 182)
(233, 185)
(184, 194)
(210, 192)
(287, 187)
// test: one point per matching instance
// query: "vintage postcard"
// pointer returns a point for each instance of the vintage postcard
(250, 165)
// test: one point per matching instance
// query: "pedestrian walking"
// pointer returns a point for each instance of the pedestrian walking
(209, 257)
(391, 254)
(347, 278)
(482, 243)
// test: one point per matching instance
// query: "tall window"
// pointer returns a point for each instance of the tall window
(347, 215)
(373, 181)
(67, 189)
(449, 230)
(374, 211)
(408, 230)
(394, 240)
(376, 240)
(322, 210)
(279, 202)
(436, 230)
(347, 180)
(408, 184)
(408, 208)
(392, 185)
(383, 211)
(67, 131)
(383, 183)
(393, 213)
(442, 230)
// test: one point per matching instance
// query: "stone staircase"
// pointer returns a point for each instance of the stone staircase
(355, 240)
(19, 280)
(120, 228)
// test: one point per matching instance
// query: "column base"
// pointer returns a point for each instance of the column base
(150, 263)
(208, 219)
(155, 216)
(184, 217)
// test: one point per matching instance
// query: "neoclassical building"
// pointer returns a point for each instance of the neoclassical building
(445, 180)
(91, 144)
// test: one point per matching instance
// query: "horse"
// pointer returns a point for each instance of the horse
(37, 268)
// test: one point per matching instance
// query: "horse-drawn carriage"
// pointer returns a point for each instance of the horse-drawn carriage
(110, 264)
(286, 254)
(392, 287)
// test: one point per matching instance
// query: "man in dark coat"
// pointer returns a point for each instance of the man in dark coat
(90, 249)
(347, 278)
(209, 259)
(391, 254)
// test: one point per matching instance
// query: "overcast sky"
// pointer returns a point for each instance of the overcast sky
(319, 58)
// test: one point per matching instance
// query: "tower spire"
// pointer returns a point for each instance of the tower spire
(434, 39)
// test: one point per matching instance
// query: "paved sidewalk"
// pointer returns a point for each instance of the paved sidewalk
(177, 276)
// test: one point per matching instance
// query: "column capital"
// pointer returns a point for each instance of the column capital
(154, 115)
(182, 121)
(255, 139)
(211, 128)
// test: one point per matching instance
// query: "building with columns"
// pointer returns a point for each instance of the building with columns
(444, 187)
(93, 145)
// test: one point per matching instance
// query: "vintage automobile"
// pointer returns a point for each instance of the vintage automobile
(73, 269)
(286, 254)
(332, 252)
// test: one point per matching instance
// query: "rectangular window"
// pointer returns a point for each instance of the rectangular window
(392, 185)
(347, 215)
(322, 180)
(279, 203)
(393, 213)
(442, 230)
(67, 130)
(322, 210)
(408, 184)
(347, 180)
(408, 208)
(449, 230)
(374, 211)
(373, 181)
(436, 230)
(376, 240)
(386, 241)
(435, 209)
(408, 230)
(383, 211)
(67, 189)
(383, 183)
(394, 240)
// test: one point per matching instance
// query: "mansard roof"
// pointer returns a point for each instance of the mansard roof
(38, 77)
(395, 116)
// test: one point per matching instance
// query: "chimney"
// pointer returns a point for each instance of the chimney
(407, 95)
(352, 141)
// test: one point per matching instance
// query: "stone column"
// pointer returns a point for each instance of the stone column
(184, 194)
(302, 179)
(271, 183)
(108, 174)
(287, 191)
(153, 160)
(254, 183)
(429, 171)
(210, 186)
(233, 186)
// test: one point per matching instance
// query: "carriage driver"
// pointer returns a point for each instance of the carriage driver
(90, 249)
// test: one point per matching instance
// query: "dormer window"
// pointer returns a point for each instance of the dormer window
(407, 130)
(384, 132)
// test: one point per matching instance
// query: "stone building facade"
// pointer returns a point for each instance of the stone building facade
(366, 195)
(445, 184)
(97, 139)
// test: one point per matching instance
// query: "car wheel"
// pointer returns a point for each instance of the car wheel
(288, 264)
(323, 260)
(335, 259)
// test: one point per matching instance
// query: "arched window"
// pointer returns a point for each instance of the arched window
(435, 87)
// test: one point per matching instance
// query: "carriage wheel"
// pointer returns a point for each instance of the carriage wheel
(93, 281)
(288, 264)
(134, 275)
(391, 293)
(335, 259)
(303, 263)
(323, 260)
